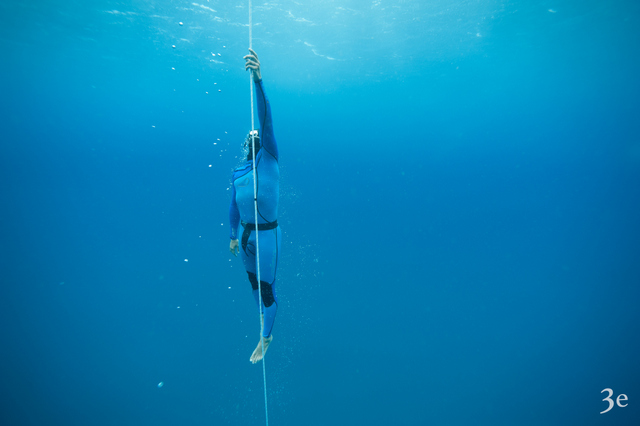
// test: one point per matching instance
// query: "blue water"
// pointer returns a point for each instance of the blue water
(459, 202)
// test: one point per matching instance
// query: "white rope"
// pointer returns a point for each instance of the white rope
(255, 209)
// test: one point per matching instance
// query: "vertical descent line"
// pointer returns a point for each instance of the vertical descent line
(255, 208)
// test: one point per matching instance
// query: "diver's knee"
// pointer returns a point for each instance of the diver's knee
(268, 298)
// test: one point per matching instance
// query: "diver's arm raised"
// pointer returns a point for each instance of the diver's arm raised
(267, 136)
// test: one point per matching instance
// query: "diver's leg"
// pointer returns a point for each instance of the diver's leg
(270, 252)
(248, 255)
(269, 257)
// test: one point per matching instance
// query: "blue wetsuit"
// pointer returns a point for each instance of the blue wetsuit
(242, 211)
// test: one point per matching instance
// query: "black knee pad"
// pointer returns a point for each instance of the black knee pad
(267, 291)
(253, 279)
(267, 294)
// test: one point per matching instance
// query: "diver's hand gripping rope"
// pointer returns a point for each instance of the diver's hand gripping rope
(255, 209)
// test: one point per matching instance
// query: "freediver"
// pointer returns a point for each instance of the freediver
(242, 210)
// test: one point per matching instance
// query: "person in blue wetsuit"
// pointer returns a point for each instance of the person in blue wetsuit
(242, 210)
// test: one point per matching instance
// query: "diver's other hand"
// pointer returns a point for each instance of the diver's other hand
(233, 247)
(253, 63)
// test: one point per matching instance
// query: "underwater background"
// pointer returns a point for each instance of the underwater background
(459, 203)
